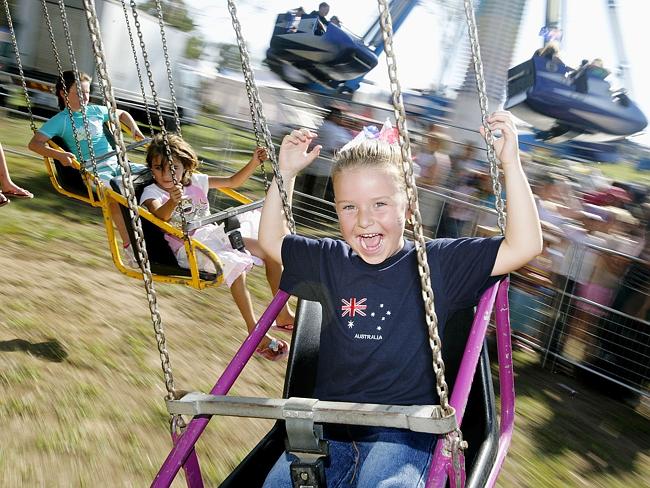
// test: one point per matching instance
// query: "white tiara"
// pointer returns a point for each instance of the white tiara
(388, 133)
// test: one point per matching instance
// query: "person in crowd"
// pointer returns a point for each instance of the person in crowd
(190, 190)
(321, 14)
(434, 167)
(601, 277)
(550, 198)
(316, 180)
(466, 162)
(459, 216)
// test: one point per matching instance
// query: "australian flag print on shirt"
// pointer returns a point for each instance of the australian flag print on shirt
(364, 326)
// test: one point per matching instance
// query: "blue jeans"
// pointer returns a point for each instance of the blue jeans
(368, 458)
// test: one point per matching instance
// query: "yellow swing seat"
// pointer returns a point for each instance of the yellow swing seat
(163, 264)
(70, 180)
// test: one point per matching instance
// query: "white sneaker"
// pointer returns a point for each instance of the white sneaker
(129, 257)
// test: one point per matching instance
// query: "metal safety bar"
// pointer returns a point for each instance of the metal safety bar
(418, 418)
(129, 147)
(223, 215)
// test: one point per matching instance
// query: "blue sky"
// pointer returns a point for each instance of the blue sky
(587, 35)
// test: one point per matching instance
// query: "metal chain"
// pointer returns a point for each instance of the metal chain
(107, 89)
(257, 116)
(161, 119)
(14, 43)
(137, 67)
(241, 44)
(420, 244)
(147, 64)
(75, 70)
(57, 58)
(483, 102)
(161, 23)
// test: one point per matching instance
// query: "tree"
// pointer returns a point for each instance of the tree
(229, 57)
(194, 48)
(174, 13)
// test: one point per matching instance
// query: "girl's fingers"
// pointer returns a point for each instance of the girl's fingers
(504, 127)
(313, 154)
(300, 135)
(502, 118)
(303, 134)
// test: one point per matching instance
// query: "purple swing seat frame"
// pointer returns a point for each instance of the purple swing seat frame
(183, 454)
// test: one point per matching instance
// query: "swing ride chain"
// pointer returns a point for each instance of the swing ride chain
(145, 57)
(257, 116)
(75, 69)
(161, 23)
(55, 51)
(137, 67)
(483, 102)
(420, 244)
(161, 120)
(93, 28)
(20, 65)
(262, 135)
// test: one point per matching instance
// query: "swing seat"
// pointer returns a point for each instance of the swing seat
(161, 258)
(70, 181)
(479, 426)
(162, 261)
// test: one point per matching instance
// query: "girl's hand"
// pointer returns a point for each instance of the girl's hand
(137, 134)
(260, 155)
(506, 147)
(294, 151)
(176, 193)
(67, 159)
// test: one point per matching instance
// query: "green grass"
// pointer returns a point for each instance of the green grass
(625, 172)
(82, 387)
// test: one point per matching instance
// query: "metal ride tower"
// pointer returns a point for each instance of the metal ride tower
(498, 26)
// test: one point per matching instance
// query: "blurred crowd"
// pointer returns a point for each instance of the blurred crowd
(587, 296)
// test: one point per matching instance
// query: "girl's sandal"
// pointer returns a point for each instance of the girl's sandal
(18, 193)
(288, 328)
(274, 351)
(3, 200)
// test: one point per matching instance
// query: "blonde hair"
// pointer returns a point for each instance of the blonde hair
(180, 150)
(372, 154)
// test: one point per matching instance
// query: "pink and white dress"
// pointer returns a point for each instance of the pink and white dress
(195, 206)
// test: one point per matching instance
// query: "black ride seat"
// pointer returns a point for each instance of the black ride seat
(479, 425)
(68, 177)
(161, 257)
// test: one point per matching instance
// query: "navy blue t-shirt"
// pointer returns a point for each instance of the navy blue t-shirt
(374, 344)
